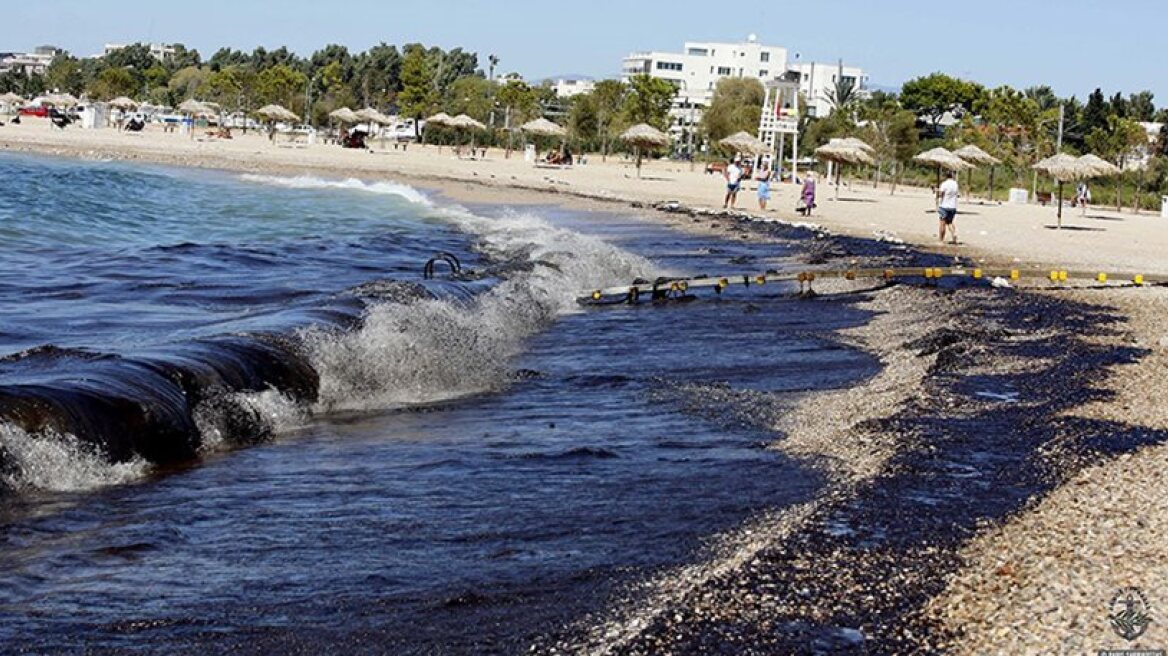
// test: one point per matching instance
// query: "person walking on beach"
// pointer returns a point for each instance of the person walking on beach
(807, 195)
(764, 184)
(947, 209)
(733, 182)
(1083, 196)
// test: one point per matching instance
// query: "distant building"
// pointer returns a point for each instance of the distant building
(29, 63)
(1141, 156)
(818, 80)
(566, 88)
(161, 51)
(698, 68)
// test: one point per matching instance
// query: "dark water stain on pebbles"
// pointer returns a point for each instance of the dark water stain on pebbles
(854, 580)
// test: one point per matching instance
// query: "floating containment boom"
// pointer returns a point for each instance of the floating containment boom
(672, 288)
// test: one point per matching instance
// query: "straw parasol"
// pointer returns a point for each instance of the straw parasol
(544, 128)
(63, 99)
(441, 118)
(978, 157)
(345, 116)
(644, 135)
(853, 142)
(464, 122)
(276, 113)
(192, 107)
(1098, 167)
(744, 142)
(123, 102)
(942, 159)
(1063, 168)
(372, 116)
(11, 101)
(843, 151)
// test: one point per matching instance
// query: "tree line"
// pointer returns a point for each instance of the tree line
(1019, 127)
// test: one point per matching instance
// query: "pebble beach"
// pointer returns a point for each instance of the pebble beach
(936, 535)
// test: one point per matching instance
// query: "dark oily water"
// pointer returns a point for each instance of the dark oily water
(452, 466)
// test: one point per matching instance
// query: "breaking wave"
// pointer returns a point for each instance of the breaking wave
(72, 420)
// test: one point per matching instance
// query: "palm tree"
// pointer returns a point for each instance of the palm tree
(844, 92)
(494, 62)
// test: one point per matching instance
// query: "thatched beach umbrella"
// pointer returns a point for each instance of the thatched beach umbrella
(441, 118)
(344, 116)
(642, 136)
(372, 116)
(978, 157)
(122, 102)
(1063, 168)
(842, 151)
(541, 127)
(63, 100)
(853, 142)
(942, 159)
(744, 142)
(464, 122)
(193, 107)
(544, 128)
(1098, 167)
(277, 113)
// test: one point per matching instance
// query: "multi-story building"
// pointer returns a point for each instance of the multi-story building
(818, 80)
(697, 70)
(161, 51)
(29, 63)
(566, 88)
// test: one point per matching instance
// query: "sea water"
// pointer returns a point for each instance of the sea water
(236, 417)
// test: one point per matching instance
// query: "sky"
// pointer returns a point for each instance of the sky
(1072, 45)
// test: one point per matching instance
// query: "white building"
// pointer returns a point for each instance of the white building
(568, 88)
(818, 80)
(697, 70)
(29, 63)
(161, 51)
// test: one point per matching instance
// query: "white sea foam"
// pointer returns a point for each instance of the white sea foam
(59, 463)
(405, 192)
(434, 350)
(277, 412)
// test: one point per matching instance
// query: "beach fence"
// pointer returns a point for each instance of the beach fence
(681, 288)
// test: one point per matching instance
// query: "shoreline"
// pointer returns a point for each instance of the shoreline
(992, 233)
(861, 448)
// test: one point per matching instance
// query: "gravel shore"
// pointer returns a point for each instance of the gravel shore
(1043, 582)
(990, 489)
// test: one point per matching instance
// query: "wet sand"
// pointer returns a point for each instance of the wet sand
(993, 485)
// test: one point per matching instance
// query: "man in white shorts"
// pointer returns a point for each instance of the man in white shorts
(947, 209)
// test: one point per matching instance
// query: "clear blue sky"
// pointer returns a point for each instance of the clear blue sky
(1073, 45)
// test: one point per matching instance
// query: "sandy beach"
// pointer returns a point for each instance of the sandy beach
(995, 233)
(1032, 573)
